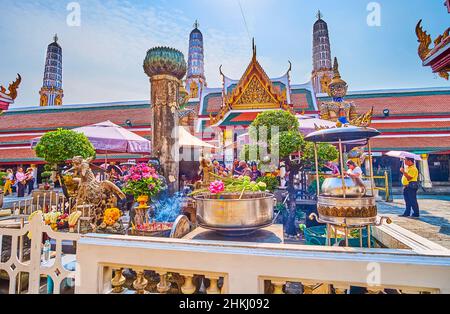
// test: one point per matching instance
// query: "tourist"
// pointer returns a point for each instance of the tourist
(216, 165)
(239, 170)
(30, 180)
(410, 186)
(21, 182)
(235, 166)
(247, 172)
(9, 178)
(223, 172)
(354, 171)
(255, 174)
(334, 168)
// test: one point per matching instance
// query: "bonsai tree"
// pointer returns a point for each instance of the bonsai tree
(59, 146)
(287, 140)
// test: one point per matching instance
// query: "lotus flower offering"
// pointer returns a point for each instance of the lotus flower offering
(234, 206)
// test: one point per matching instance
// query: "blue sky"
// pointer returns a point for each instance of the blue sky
(103, 57)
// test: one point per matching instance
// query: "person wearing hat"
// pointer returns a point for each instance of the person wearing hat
(30, 180)
(410, 182)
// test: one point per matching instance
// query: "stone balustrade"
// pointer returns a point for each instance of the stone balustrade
(112, 264)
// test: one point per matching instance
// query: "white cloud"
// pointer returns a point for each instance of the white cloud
(103, 58)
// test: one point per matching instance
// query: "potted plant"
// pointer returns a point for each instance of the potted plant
(57, 147)
(143, 182)
(46, 175)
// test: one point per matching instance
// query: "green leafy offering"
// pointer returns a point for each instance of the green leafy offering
(237, 185)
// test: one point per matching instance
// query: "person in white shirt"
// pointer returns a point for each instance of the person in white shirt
(353, 171)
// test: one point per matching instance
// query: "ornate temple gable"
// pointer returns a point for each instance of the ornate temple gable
(255, 96)
(255, 90)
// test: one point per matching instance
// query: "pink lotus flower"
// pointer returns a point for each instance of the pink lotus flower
(217, 187)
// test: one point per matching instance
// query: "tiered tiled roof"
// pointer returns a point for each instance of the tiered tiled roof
(20, 125)
(418, 120)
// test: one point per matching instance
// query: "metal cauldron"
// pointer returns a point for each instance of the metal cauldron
(231, 216)
(333, 187)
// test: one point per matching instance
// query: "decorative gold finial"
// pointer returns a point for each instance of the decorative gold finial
(425, 41)
(254, 47)
(12, 88)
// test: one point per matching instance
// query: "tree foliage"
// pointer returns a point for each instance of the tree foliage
(61, 145)
(325, 152)
(288, 140)
(283, 120)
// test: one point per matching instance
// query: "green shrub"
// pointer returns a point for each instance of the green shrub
(271, 182)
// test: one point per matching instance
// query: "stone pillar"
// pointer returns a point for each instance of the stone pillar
(166, 67)
(426, 172)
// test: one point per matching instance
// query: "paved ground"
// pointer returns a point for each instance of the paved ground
(434, 223)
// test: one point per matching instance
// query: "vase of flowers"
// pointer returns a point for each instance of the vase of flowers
(143, 182)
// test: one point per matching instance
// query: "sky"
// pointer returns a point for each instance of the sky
(103, 55)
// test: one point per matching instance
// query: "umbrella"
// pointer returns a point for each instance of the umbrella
(403, 155)
(188, 140)
(109, 137)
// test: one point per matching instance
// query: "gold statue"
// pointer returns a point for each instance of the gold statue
(194, 90)
(338, 107)
(100, 195)
(324, 82)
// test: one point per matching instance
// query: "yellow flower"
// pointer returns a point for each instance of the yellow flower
(111, 216)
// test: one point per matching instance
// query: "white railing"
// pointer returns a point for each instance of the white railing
(26, 268)
(123, 264)
(261, 268)
(45, 201)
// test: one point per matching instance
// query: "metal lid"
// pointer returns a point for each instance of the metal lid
(344, 134)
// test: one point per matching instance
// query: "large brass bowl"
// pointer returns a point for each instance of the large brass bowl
(231, 216)
(333, 187)
(350, 211)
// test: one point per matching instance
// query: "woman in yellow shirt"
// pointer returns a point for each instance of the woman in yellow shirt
(8, 182)
(410, 186)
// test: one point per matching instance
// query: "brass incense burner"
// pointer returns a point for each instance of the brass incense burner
(346, 202)
(234, 215)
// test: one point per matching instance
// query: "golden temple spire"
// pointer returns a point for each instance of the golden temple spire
(254, 48)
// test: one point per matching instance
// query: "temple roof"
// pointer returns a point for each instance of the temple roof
(254, 91)
(419, 119)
